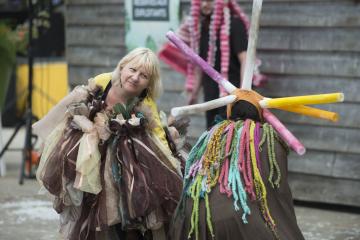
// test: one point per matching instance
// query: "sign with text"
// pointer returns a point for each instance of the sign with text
(147, 21)
(151, 10)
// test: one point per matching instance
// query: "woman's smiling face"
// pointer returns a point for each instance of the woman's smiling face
(134, 79)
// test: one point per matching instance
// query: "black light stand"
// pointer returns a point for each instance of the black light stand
(28, 116)
(28, 146)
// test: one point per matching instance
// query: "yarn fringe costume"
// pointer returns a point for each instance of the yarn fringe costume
(106, 169)
(236, 186)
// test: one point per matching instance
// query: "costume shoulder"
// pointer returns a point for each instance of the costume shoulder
(103, 79)
(158, 129)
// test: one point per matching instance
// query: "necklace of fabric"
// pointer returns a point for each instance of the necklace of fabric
(228, 155)
(219, 28)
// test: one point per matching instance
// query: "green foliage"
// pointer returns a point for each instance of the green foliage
(14, 38)
(7, 44)
(120, 109)
(7, 59)
(126, 110)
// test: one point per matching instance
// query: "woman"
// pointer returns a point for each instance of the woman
(106, 158)
(236, 183)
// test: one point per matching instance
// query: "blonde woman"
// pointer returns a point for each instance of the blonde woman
(106, 159)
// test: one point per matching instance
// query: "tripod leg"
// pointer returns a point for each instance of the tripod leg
(27, 161)
(22, 167)
(27, 149)
(17, 128)
(2, 162)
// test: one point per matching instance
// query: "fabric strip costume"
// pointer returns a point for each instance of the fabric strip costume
(106, 169)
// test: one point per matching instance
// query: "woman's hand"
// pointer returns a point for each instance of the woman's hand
(174, 134)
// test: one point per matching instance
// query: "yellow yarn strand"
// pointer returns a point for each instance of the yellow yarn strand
(213, 154)
(195, 195)
(208, 216)
(273, 158)
(260, 188)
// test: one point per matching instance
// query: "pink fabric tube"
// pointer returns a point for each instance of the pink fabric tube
(200, 62)
(285, 134)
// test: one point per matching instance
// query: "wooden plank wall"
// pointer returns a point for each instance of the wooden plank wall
(307, 47)
(95, 37)
(311, 47)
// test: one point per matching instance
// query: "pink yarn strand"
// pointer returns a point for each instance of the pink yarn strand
(225, 170)
(249, 186)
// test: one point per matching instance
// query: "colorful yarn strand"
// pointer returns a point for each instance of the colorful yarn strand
(228, 154)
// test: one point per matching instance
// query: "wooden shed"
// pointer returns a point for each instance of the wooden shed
(306, 47)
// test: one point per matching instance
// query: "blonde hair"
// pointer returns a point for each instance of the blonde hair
(143, 57)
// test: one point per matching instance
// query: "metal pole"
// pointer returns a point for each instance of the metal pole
(28, 115)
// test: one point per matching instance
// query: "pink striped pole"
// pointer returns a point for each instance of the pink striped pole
(285, 134)
(200, 62)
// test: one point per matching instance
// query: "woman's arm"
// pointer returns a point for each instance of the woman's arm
(194, 94)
